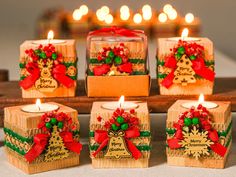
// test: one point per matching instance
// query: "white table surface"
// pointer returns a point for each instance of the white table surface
(158, 168)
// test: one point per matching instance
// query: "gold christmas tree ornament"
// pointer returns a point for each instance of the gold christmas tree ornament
(184, 74)
(196, 143)
(56, 149)
(116, 146)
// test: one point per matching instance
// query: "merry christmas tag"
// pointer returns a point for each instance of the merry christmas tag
(46, 83)
(184, 72)
(196, 143)
(117, 146)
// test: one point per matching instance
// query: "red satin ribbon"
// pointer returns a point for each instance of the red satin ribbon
(100, 70)
(70, 143)
(59, 73)
(101, 137)
(114, 30)
(34, 71)
(198, 66)
(40, 142)
(218, 148)
(127, 67)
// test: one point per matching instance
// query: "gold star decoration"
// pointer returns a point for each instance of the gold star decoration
(113, 72)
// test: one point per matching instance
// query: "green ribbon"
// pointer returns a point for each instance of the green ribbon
(142, 134)
(139, 72)
(161, 76)
(131, 60)
(22, 65)
(207, 63)
(228, 142)
(137, 61)
(17, 136)
(68, 64)
(22, 78)
(225, 133)
(171, 131)
(14, 148)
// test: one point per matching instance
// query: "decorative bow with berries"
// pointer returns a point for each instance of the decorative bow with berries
(120, 121)
(67, 129)
(196, 119)
(43, 54)
(113, 56)
(195, 53)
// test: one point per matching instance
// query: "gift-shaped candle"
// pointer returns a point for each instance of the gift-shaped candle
(48, 68)
(36, 141)
(119, 138)
(117, 62)
(185, 65)
(198, 136)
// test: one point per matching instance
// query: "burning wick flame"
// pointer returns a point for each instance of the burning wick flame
(184, 33)
(189, 18)
(50, 35)
(201, 99)
(38, 104)
(121, 101)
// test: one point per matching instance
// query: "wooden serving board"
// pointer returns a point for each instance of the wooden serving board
(10, 95)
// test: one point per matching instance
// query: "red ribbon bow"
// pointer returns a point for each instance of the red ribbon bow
(101, 137)
(105, 68)
(59, 73)
(114, 30)
(34, 71)
(198, 66)
(218, 148)
(41, 140)
(101, 70)
(70, 143)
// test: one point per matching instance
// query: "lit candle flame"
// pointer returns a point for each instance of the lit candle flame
(124, 8)
(162, 17)
(147, 12)
(108, 19)
(84, 9)
(167, 8)
(184, 33)
(201, 99)
(124, 12)
(50, 35)
(38, 104)
(172, 14)
(77, 14)
(137, 18)
(121, 101)
(105, 10)
(189, 18)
